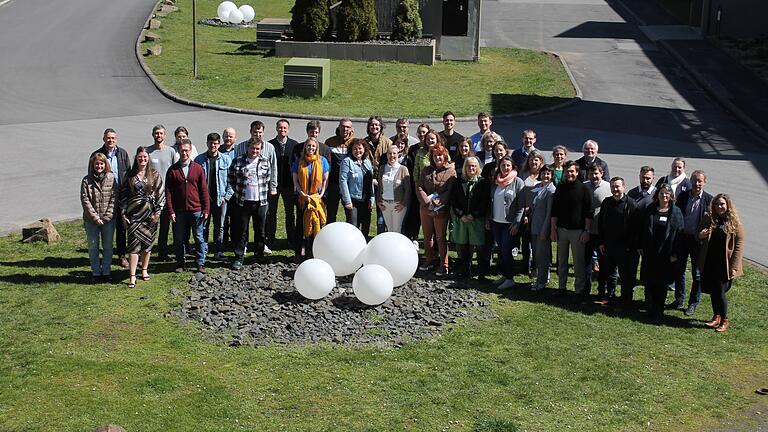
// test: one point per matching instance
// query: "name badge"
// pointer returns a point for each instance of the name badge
(662, 218)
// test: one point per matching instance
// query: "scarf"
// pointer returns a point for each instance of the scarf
(309, 182)
(507, 180)
(99, 177)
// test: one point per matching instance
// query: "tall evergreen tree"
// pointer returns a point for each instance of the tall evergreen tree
(310, 19)
(357, 21)
(406, 25)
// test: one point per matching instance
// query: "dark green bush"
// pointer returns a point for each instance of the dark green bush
(406, 25)
(310, 19)
(357, 21)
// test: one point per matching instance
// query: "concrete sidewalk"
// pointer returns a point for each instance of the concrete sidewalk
(727, 81)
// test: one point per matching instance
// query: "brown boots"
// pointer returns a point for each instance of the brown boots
(715, 321)
(720, 325)
(723, 327)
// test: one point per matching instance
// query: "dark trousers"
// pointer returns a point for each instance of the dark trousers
(691, 248)
(360, 215)
(162, 239)
(656, 295)
(624, 260)
(719, 298)
(217, 217)
(332, 198)
(227, 236)
(525, 247)
(120, 238)
(289, 204)
(251, 210)
(301, 241)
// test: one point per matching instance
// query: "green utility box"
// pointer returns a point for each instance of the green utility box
(307, 77)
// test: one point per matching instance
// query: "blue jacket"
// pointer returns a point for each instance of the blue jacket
(223, 188)
(356, 181)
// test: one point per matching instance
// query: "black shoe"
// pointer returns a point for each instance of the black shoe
(106, 279)
(93, 279)
(674, 305)
(691, 309)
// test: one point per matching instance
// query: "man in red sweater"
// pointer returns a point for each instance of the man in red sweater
(186, 192)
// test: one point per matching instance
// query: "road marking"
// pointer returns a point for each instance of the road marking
(4, 2)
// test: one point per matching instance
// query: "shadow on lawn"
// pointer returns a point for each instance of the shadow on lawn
(247, 48)
(576, 303)
(50, 261)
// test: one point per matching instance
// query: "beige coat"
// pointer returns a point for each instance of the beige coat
(402, 190)
(98, 199)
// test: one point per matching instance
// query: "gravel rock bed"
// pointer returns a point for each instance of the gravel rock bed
(259, 306)
(219, 23)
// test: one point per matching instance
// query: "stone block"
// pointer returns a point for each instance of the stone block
(154, 50)
(154, 24)
(151, 37)
(42, 230)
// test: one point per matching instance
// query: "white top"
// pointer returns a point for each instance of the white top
(499, 209)
(388, 183)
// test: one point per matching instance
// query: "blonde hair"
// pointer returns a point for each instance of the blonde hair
(730, 219)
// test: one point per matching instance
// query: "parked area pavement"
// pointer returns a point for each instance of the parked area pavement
(64, 83)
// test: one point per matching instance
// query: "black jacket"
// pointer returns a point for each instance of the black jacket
(475, 203)
(123, 161)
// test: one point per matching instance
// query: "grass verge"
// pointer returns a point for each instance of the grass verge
(233, 72)
(76, 356)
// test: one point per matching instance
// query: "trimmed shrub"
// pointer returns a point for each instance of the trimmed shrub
(310, 20)
(357, 21)
(406, 25)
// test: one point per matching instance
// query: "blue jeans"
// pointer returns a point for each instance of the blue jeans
(217, 217)
(105, 233)
(503, 239)
(185, 220)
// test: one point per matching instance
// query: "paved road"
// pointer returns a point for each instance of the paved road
(65, 82)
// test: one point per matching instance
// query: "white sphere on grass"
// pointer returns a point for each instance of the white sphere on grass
(372, 284)
(314, 279)
(248, 13)
(224, 16)
(225, 6)
(235, 16)
(394, 252)
(342, 246)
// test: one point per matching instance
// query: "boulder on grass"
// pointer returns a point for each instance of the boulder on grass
(166, 9)
(42, 230)
(151, 37)
(109, 428)
(154, 50)
(154, 24)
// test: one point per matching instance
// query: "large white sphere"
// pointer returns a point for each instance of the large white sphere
(372, 284)
(225, 6)
(314, 279)
(235, 16)
(248, 13)
(394, 252)
(341, 245)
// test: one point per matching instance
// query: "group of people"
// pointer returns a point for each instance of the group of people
(475, 192)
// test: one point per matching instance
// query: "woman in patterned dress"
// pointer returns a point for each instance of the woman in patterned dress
(141, 199)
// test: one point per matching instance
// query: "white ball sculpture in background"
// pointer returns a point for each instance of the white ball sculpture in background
(314, 279)
(394, 252)
(224, 9)
(372, 284)
(248, 13)
(341, 245)
(235, 16)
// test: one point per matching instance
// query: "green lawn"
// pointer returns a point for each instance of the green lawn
(232, 72)
(76, 356)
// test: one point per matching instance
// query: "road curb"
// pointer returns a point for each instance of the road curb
(176, 98)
